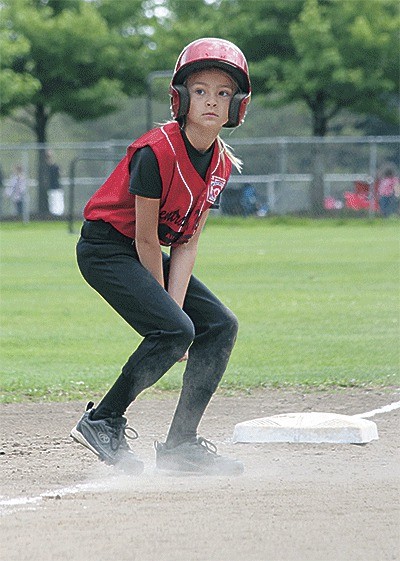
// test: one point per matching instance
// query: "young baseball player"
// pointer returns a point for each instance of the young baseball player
(160, 195)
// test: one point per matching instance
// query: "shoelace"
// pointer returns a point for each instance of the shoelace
(207, 445)
(119, 432)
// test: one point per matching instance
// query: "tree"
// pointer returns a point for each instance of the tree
(83, 59)
(345, 56)
(259, 28)
(16, 88)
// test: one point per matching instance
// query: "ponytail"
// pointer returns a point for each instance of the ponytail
(226, 152)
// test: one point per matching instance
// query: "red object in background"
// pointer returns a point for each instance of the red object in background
(361, 188)
(329, 203)
(355, 201)
(359, 199)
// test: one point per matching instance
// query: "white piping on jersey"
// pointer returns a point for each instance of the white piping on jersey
(200, 213)
(181, 176)
(217, 164)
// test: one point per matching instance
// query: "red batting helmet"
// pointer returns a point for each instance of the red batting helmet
(211, 53)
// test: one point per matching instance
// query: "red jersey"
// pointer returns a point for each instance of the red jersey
(185, 195)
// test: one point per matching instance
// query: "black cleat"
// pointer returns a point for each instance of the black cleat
(196, 456)
(107, 439)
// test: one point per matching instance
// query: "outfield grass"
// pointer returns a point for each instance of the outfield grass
(317, 302)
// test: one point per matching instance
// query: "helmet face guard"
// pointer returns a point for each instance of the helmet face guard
(211, 53)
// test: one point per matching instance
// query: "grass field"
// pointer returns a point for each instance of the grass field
(317, 302)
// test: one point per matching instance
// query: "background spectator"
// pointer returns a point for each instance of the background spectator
(388, 192)
(17, 190)
(54, 190)
(248, 200)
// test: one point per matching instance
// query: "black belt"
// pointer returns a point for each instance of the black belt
(98, 229)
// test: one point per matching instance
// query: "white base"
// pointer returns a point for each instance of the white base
(307, 427)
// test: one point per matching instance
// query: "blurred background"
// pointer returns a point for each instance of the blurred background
(81, 79)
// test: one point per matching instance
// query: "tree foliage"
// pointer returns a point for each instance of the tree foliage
(345, 56)
(69, 56)
(82, 57)
(79, 62)
(16, 87)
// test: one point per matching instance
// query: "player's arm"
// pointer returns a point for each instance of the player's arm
(146, 238)
(182, 262)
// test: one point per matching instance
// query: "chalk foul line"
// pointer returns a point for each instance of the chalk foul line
(384, 409)
(8, 505)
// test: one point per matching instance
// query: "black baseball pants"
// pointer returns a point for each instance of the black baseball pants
(110, 264)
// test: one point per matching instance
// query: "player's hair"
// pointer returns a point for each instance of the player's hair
(226, 152)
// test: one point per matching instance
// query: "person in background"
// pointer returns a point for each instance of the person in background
(17, 190)
(53, 171)
(160, 194)
(388, 192)
(248, 200)
(54, 190)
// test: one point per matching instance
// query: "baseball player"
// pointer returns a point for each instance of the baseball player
(159, 195)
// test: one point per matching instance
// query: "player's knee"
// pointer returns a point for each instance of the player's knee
(183, 335)
(187, 333)
(228, 324)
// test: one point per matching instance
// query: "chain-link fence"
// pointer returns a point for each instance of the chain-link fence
(279, 175)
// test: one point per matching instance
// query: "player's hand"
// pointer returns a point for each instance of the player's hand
(185, 357)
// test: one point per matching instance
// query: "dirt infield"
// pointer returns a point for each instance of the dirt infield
(302, 502)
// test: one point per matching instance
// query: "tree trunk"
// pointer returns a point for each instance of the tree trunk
(317, 183)
(41, 119)
(320, 125)
(319, 117)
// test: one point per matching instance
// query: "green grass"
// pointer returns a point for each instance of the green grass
(317, 302)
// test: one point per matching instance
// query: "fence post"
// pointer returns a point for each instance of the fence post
(317, 182)
(271, 195)
(149, 97)
(26, 204)
(71, 200)
(282, 163)
(372, 175)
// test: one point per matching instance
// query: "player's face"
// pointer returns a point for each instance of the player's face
(210, 94)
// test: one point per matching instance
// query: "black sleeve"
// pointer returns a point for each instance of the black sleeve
(217, 202)
(145, 179)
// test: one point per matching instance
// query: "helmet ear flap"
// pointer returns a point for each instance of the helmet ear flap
(237, 109)
(180, 101)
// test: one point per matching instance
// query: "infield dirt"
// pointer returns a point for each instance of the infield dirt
(295, 502)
